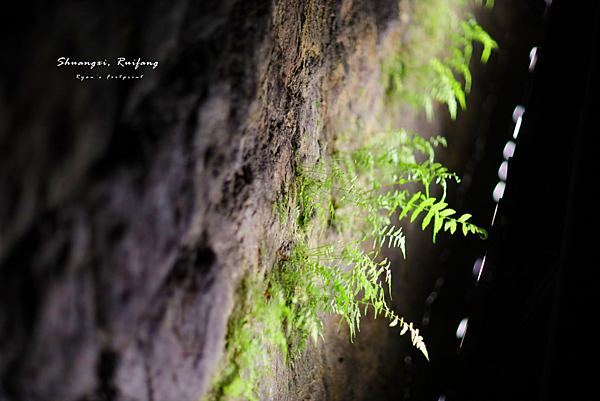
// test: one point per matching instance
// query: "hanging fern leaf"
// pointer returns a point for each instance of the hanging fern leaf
(465, 229)
(410, 205)
(439, 221)
(464, 218)
(421, 207)
(453, 227)
(480, 35)
(447, 212)
(428, 218)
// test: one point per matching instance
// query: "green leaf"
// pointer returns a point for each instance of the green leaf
(409, 205)
(452, 108)
(453, 227)
(427, 218)
(447, 212)
(465, 229)
(403, 247)
(437, 226)
(464, 217)
(424, 351)
(428, 105)
(439, 206)
(419, 209)
(460, 95)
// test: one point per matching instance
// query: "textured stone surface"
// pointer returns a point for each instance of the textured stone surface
(124, 203)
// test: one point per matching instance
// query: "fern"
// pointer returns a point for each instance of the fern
(429, 72)
(356, 193)
(349, 194)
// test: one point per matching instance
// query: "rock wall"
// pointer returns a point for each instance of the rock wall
(130, 207)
